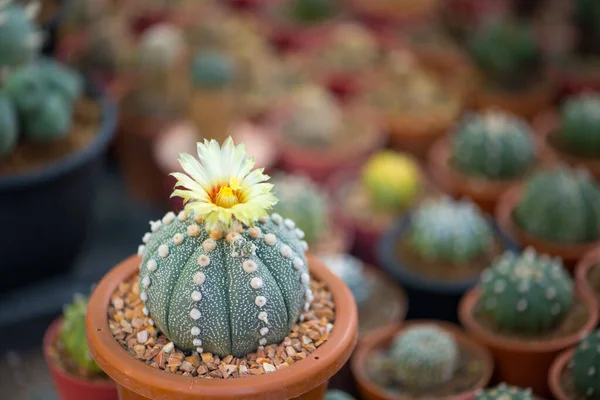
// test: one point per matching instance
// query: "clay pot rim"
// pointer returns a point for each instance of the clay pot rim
(49, 338)
(389, 262)
(589, 261)
(289, 382)
(554, 374)
(376, 338)
(504, 218)
(465, 315)
(590, 162)
(408, 12)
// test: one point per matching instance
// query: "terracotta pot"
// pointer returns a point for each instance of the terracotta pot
(571, 81)
(379, 14)
(526, 104)
(556, 370)
(569, 252)
(71, 387)
(383, 337)
(582, 270)
(305, 380)
(523, 363)
(245, 5)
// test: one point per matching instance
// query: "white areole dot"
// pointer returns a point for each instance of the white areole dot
(144, 296)
(550, 293)
(289, 223)
(203, 260)
(254, 232)
(277, 218)
(146, 237)
(209, 245)
(249, 266)
(285, 251)
(168, 218)
(264, 330)
(260, 301)
(146, 281)
(163, 250)
(262, 341)
(193, 230)
(195, 314)
(196, 295)
(270, 239)
(256, 283)
(199, 278)
(299, 233)
(304, 245)
(304, 278)
(181, 216)
(152, 265)
(145, 311)
(298, 263)
(197, 342)
(522, 305)
(150, 322)
(262, 316)
(195, 331)
(263, 219)
(178, 239)
(141, 250)
(199, 350)
(155, 225)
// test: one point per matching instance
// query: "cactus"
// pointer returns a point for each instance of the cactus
(526, 293)
(303, 201)
(9, 130)
(212, 70)
(51, 121)
(424, 357)
(493, 145)
(585, 365)
(449, 230)
(72, 336)
(312, 11)
(392, 180)
(61, 79)
(507, 53)
(20, 38)
(560, 205)
(223, 276)
(335, 394)
(160, 46)
(504, 392)
(353, 48)
(580, 125)
(315, 117)
(351, 270)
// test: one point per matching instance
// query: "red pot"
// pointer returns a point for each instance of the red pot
(70, 387)
(582, 269)
(379, 14)
(556, 371)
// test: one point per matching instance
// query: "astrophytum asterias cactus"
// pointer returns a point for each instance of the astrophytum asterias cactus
(505, 392)
(223, 276)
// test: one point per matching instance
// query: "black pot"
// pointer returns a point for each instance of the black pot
(428, 298)
(45, 213)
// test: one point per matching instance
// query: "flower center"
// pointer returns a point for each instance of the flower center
(226, 197)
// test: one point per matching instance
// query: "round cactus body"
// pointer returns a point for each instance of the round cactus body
(27, 88)
(19, 36)
(51, 121)
(424, 357)
(9, 130)
(335, 394)
(493, 145)
(311, 11)
(213, 70)
(586, 366)
(505, 392)
(61, 79)
(449, 230)
(393, 180)
(560, 205)
(580, 125)
(160, 46)
(302, 201)
(526, 293)
(353, 48)
(351, 270)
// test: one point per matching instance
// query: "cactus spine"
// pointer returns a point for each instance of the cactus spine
(505, 392)
(580, 125)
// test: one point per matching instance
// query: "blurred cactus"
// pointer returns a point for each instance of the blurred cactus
(351, 270)
(505, 392)
(301, 200)
(586, 366)
(61, 79)
(51, 121)
(160, 46)
(580, 125)
(212, 70)
(560, 205)
(9, 130)
(312, 11)
(335, 394)
(526, 293)
(424, 357)
(449, 230)
(493, 145)
(353, 48)
(587, 17)
(20, 39)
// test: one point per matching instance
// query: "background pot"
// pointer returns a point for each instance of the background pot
(556, 370)
(53, 204)
(383, 337)
(523, 363)
(570, 253)
(526, 104)
(68, 386)
(379, 14)
(582, 270)
(305, 380)
(429, 299)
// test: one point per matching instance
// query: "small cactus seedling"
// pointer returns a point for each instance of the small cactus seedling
(507, 53)
(392, 180)
(223, 276)
(504, 392)
(526, 293)
(335, 394)
(311, 11)
(72, 336)
(493, 145)
(585, 365)
(449, 230)
(9, 130)
(212, 70)
(580, 125)
(351, 270)
(302, 201)
(424, 357)
(560, 205)
(20, 38)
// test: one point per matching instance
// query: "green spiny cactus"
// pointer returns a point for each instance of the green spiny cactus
(351, 270)
(580, 125)
(507, 53)
(72, 336)
(9, 130)
(20, 38)
(303, 201)
(493, 145)
(223, 276)
(51, 121)
(213, 70)
(449, 230)
(526, 293)
(393, 180)
(353, 48)
(61, 79)
(26, 88)
(560, 205)
(505, 392)
(424, 357)
(585, 365)
(335, 394)
(311, 11)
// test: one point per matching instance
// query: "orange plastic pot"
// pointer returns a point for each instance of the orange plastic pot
(305, 380)
(522, 363)
(569, 252)
(582, 270)
(555, 372)
(382, 338)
